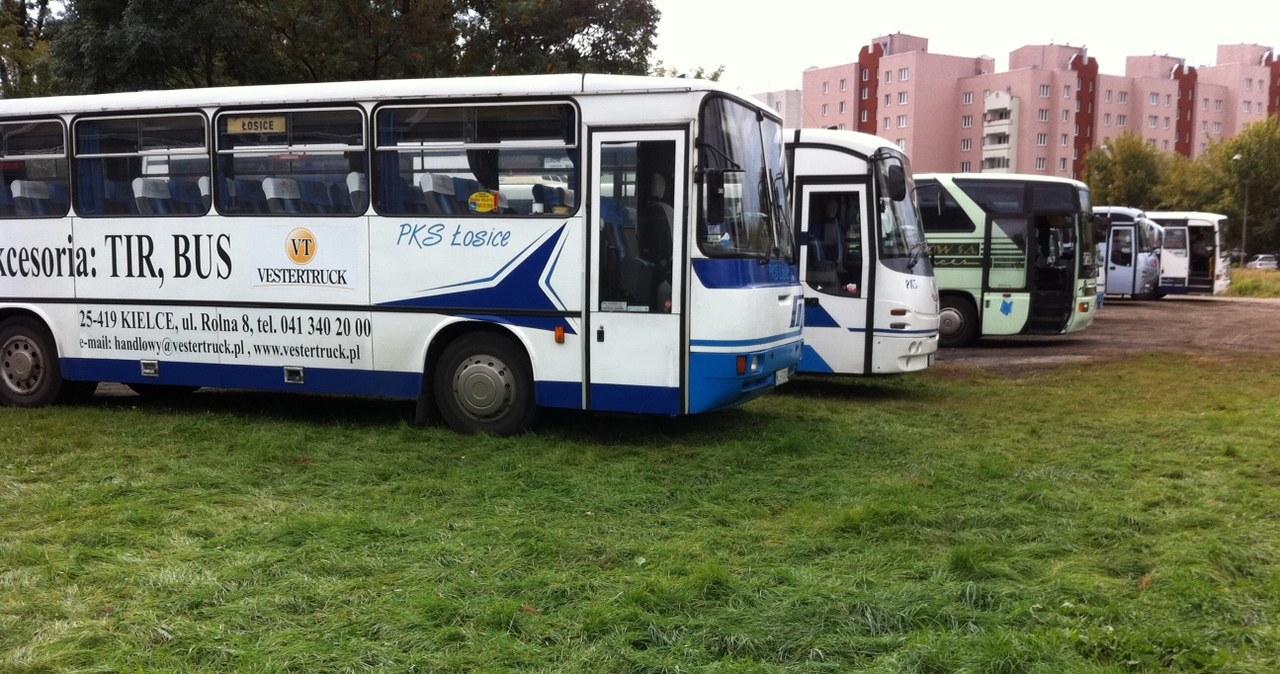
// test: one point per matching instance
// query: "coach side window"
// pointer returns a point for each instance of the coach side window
(33, 169)
(480, 160)
(281, 162)
(143, 165)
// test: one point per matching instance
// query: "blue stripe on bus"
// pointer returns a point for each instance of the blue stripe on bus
(256, 377)
(635, 399)
(731, 343)
(715, 383)
(811, 362)
(817, 317)
(744, 273)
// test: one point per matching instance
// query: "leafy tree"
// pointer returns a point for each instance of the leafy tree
(508, 37)
(24, 63)
(127, 45)
(1125, 172)
(335, 40)
(1254, 177)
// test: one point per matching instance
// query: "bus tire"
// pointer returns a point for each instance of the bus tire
(29, 366)
(483, 385)
(957, 321)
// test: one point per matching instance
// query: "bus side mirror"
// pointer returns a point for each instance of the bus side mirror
(713, 191)
(896, 182)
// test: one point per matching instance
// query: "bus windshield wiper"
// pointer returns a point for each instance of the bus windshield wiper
(919, 248)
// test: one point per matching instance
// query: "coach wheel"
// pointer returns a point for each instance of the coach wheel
(483, 385)
(957, 322)
(29, 366)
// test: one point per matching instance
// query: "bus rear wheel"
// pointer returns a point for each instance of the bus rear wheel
(957, 321)
(483, 385)
(29, 367)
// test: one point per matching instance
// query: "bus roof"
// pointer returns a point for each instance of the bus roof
(1011, 177)
(1186, 215)
(854, 140)
(495, 86)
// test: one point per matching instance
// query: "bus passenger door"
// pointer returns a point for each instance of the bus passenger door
(1121, 259)
(635, 346)
(834, 267)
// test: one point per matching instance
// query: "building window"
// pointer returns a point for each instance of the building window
(888, 77)
(1066, 91)
(864, 116)
(1248, 106)
(1066, 140)
(888, 100)
(1206, 104)
(1106, 119)
(966, 122)
(966, 167)
(1107, 96)
(1044, 115)
(1166, 122)
(1044, 91)
(1152, 121)
(1042, 139)
(968, 98)
(887, 123)
(844, 107)
(902, 121)
(1155, 98)
(826, 87)
(904, 74)
(1062, 164)
(902, 144)
(1168, 100)
(966, 144)
(1248, 84)
(1124, 97)
(1217, 105)
(1042, 164)
(844, 85)
(1217, 128)
(1122, 120)
(866, 74)
(866, 93)
(1066, 115)
(826, 109)
(902, 98)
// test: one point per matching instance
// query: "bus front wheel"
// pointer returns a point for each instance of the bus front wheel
(957, 321)
(483, 385)
(30, 369)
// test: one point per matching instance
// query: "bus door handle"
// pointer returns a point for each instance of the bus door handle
(600, 334)
(811, 301)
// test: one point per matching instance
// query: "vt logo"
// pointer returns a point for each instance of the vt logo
(300, 246)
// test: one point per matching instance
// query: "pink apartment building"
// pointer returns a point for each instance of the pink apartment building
(953, 113)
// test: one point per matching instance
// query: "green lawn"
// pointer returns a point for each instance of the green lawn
(1254, 283)
(1099, 518)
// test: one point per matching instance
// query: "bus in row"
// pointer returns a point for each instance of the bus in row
(1013, 254)
(871, 303)
(1147, 255)
(1193, 260)
(484, 246)
(1129, 246)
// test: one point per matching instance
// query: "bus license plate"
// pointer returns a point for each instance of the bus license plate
(782, 376)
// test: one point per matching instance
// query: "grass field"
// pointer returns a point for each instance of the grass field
(1254, 283)
(1095, 518)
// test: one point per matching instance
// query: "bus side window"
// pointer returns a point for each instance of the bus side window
(33, 170)
(129, 165)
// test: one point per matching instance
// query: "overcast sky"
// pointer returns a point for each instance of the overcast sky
(765, 46)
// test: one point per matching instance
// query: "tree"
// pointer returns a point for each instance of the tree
(661, 69)
(127, 45)
(336, 40)
(1124, 172)
(509, 37)
(1251, 161)
(24, 63)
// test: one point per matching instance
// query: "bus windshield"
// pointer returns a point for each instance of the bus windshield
(901, 234)
(742, 153)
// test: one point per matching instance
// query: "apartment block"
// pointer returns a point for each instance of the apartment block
(1043, 115)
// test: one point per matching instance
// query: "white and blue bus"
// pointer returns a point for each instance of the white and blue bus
(1128, 244)
(871, 303)
(483, 246)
